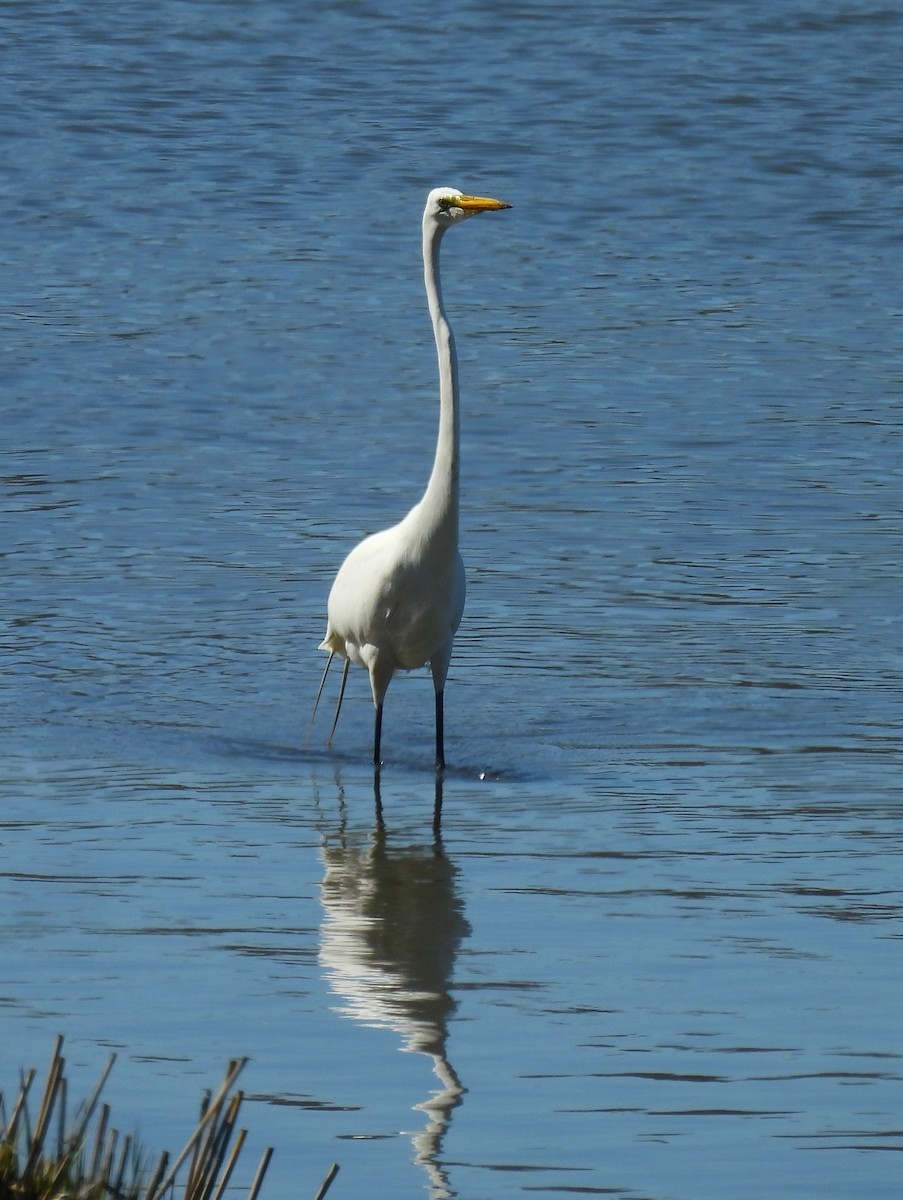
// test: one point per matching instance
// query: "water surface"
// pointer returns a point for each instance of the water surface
(654, 949)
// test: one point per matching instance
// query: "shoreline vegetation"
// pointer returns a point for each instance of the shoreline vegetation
(50, 1158)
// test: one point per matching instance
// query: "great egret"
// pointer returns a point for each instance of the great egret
(397, 600)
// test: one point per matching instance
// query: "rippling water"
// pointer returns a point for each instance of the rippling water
(654, 949)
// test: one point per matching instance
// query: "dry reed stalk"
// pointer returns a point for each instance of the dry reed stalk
(160, 1170)
(99, 1140)
(230, 1165)
(261, 1171)
(48, 1099)
(211, 1113)
(324, 1186)
(106, 1166)
(25, 1082)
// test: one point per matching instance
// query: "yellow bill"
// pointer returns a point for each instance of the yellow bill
(479, 204)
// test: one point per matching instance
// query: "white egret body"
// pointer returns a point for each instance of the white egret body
(397, 600)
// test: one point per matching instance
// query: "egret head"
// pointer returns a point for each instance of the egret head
(447, 206)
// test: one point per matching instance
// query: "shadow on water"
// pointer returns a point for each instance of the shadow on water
(392, 927)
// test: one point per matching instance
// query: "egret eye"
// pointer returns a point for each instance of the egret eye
(447, 202)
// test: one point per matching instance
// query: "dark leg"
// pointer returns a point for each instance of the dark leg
(378, 800)
(440, 732)
(377, 734)
(437, 811)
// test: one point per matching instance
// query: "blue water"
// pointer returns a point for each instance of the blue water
(656, 950)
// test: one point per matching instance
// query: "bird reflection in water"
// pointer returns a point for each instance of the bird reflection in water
(392, 927)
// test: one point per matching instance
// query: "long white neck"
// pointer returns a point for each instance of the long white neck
(439, 506)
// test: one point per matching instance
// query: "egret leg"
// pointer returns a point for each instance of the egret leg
(377, 734)
(440, 731)
(319, 694)
(378, 802)
(437, 812)
(338, 707)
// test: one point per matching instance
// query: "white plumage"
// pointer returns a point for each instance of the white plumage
(397, 600)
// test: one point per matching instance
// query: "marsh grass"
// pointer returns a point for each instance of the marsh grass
(51, 1158)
